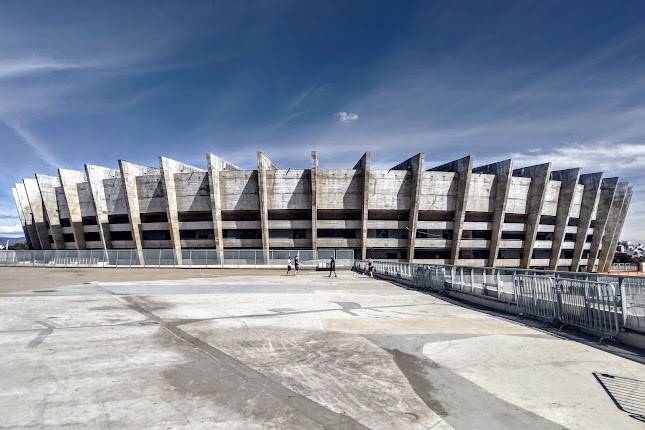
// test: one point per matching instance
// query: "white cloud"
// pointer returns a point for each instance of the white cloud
(347, 116)
(8, 215)
(30, 66)
(36, 144)
(11, 229)
(596, 156)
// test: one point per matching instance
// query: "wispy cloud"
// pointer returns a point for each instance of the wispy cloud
(347, 116)
(30, 66)
(40, 148)
(602, 156)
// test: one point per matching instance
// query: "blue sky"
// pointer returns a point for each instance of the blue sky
(537, 81)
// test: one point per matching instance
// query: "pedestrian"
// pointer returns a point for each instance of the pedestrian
(289, 266)
(296, 264)
(332, 267)
(370, 268)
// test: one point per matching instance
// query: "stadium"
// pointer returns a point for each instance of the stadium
(496, 215)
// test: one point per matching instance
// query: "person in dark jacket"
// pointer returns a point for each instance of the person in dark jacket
(332, 267)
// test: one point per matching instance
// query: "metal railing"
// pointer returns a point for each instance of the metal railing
(536, 296)
(632, 294)
(624, 267)
(597, 303)
(190, 258)
(589, 305)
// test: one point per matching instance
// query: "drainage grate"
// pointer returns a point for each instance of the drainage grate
(627, 394)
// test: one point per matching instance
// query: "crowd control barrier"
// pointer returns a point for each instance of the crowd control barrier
(536, 296)
(599, 304)
(589, 305)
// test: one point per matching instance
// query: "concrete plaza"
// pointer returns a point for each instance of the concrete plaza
(160, 349)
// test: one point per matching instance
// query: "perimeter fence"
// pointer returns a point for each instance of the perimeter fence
(190, 258)
(598, 303)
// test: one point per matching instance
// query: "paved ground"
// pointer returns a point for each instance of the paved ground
(266, 351)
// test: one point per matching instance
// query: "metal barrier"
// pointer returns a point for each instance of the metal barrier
(589, 305)
(535, 296)
(632, 294)
(624, 267)
(597, 303)
(197, 258)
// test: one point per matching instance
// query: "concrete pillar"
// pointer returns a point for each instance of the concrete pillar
(21, 215)
(47, 186)
(568, 181)
(612, 224)
(69, 180)
(29, 217)
(363, 166)
(463, 167)
(415, 166)
(264, 164)
(590, 195)
(539, 175)
(503, 171)
(168, 169)
(215, 166)
(95, 176)
(129, 172)
(314, 201)
(607, 191)
(38, 211)
(611, 251)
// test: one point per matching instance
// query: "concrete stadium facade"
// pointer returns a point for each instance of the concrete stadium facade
(494, 215)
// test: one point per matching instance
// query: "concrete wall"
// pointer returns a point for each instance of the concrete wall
(339, 189)
(439, 191)
(424, 213)
(288, 189)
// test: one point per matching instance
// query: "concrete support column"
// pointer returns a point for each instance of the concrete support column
(363, 166)
(503, 172)
(607, 191)
(264, 164)
(415, 166)
(21, 215)
(539, 175)
(129, 172)
(215, 166)
(314, 201)
(38, 212)
(95, 176)
(47, 186)
(69, 180)
(463, 168)
(29, 217)
(590, 195)
(568, 181)
(168, 169)
(611, 251)
(612, 224)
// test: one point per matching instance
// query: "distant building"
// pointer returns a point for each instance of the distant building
(492, 215)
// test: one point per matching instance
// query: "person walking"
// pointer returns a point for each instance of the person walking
(370, 268)
(289, 266)
(332, 267)
(296, 264)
